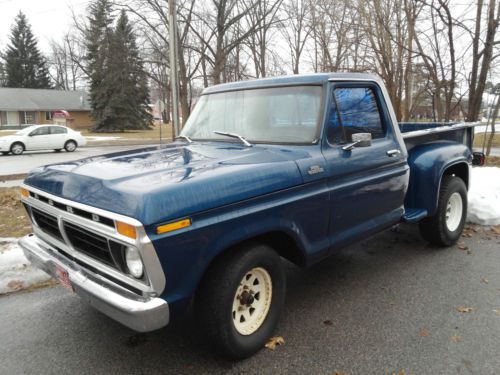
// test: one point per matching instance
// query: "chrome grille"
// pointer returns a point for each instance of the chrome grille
(47, 223)
(88, 243)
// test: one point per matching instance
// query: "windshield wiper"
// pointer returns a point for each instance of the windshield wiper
(233, 135)
(188, 140)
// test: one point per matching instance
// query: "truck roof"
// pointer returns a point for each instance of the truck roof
(296, 79)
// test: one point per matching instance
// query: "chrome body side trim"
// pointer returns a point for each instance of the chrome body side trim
(138, 313)
(153, 282)
(439, 129)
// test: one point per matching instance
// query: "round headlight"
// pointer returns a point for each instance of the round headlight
(134, 262)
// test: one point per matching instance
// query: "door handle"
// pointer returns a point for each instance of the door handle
(392, 153)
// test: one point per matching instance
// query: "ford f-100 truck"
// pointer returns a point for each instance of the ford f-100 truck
(292, 167)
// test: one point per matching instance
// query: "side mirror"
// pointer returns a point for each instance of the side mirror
(359, 140)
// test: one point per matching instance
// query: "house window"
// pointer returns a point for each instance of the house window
(27, 117)
(48, 116)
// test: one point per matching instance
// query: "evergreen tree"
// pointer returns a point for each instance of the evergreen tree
(98, 38)
(25, 66)
(126, 81)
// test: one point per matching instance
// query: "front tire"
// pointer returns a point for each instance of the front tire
(446, 226)
(240, 300)
(70, 146)
(17, 148)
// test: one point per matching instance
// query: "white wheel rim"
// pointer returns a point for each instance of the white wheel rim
(17, 149)
(252, 301)
(454, 210)
(71, 146)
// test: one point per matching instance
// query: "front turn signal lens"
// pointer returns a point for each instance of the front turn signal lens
(173, 226)
(25, 193)
(126, 230)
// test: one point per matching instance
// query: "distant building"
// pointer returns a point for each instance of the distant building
(21, 107)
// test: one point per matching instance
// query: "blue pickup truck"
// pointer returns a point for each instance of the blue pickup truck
(292, 167)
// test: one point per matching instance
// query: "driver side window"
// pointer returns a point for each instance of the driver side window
(40, 131)
(354, 110)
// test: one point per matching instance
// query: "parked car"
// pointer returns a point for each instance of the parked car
(292, 167)
(41, 137)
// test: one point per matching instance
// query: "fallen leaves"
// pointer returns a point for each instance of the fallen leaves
(424, 333)
(328, 323)
(495, 229)
(497, 311)
(15, 285)
(274, 342)
(484, 280)
(462, 246)
(456, 338)
(463, 309)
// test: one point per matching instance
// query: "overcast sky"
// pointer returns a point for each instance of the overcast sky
(48, 18)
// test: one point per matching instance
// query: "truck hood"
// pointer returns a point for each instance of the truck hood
(158, 184)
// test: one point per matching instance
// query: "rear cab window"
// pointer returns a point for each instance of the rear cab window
(354, 110)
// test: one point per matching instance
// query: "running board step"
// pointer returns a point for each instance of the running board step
(414, 215)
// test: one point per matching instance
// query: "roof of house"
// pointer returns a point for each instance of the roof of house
(15, 99)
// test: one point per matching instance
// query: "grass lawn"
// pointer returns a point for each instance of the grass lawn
(479, 137)
(153, 133)
(14, 221)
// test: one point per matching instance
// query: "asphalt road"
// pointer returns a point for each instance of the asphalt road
(388, 305)
(12, 164)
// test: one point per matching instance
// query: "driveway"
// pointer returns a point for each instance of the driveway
(388, 305)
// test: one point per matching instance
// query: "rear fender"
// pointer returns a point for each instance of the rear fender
(428, 164)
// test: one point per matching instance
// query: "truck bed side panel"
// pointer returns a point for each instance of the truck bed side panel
(428, 162)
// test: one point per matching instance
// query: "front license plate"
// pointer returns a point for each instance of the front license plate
(63, 278)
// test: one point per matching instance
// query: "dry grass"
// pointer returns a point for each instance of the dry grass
(14, 221)
(153, 133)
(492, 161)
(479, 138)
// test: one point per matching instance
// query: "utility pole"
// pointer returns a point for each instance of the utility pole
(172, 24)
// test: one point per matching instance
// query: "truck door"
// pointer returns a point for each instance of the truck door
(367, 184)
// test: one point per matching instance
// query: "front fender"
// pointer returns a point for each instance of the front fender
(428, 163)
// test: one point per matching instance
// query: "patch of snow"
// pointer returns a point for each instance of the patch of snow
(16, 272)
(484, 196)
(97, 138)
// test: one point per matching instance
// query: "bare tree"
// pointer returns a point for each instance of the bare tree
(265, 16)
(296, 29)
(66, 63)
(483, 43)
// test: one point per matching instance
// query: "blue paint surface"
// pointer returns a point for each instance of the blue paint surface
(319, 196)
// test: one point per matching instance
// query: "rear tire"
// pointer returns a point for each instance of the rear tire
(5, 153)
(17, 148)
(240, 300)
(446, 226)
(70, 146)
(57, 149)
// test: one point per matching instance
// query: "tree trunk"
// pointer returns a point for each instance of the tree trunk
(493, 120)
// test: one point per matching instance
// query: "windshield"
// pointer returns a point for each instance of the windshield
(26, 130)
(270, 115)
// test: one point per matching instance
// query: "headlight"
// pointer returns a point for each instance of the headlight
(134, 262)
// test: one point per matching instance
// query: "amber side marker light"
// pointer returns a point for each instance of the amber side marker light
(126, 230)
(173, 226)
(25, 193)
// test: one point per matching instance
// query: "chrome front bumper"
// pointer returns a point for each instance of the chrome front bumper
(137, 313)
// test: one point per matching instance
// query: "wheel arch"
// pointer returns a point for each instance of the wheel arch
(428, 165)
(15, 142)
